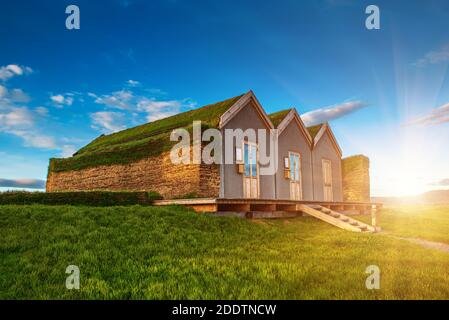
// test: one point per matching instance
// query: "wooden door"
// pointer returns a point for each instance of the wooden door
(295, 176)
(251, 174)
(327, 180)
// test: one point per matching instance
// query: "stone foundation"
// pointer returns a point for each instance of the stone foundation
(150, 174)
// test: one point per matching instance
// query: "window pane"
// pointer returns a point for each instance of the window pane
(253, 161)
(246, 159)
(292, 166)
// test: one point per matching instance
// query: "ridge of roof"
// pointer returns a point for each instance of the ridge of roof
(277, 117)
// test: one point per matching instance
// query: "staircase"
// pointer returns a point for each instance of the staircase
(337, 219)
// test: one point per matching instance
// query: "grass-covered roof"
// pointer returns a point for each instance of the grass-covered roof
(313, 130)
(277, 117)
(150, 139)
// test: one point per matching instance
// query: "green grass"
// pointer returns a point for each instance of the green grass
(172, 253)
(147, 140)
(277, 117)
(418, 221)
(313, 130)
(86, 198)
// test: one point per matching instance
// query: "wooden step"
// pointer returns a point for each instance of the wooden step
(336, 219)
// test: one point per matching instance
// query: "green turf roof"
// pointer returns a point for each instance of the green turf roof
(277, 117)
(313, 130)
(150, 139)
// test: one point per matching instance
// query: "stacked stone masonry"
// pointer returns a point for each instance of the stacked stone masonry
(150, 174)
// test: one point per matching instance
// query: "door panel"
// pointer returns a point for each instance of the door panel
(295, 176)
(327, 180)
(251, 173)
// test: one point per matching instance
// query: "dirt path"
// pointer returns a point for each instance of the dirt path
(425, 243)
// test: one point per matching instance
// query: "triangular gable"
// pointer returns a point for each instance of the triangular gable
(242, 102)
(294, 116)
(326, 128)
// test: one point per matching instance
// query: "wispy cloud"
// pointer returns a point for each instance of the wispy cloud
(122, 99)
(108, 122)
(12, 70)
(22, 183)
(159, 109)
(332, 112)
(19, 120)
(12, 96)
(434, 57)
(67, 150)
(16, 117)
(61, 100)
(437, 116)
(134, 103)
(441, 183)
(35, 139)
(133, 83)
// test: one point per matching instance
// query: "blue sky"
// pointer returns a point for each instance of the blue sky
(134, 61)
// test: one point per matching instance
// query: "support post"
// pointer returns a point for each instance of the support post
(375, 217)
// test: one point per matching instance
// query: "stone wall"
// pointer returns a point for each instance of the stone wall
(150, 174)
(356, 180)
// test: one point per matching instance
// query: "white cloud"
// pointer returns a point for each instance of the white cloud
(8, 97)
(158, 109)
(138, 106)
(331, 113)
(133, 83)
(440, 183)
(160, 115)
(42, 111)
(17, 95)
(437, 116)
(119, 99)
(67, 151)
(17, 117)
(12, 70)
(3, 91)
(434, 57)
(34, 139)
(61, 100)
(23, 183)
(108, 122)
(19, 121)
(151, 105)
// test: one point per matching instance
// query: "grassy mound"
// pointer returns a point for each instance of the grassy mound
(136, 143)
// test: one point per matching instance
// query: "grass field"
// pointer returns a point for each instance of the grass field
(172, 253)
(418, 221)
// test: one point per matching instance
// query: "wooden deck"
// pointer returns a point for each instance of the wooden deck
(334, 213)
(266, 205)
